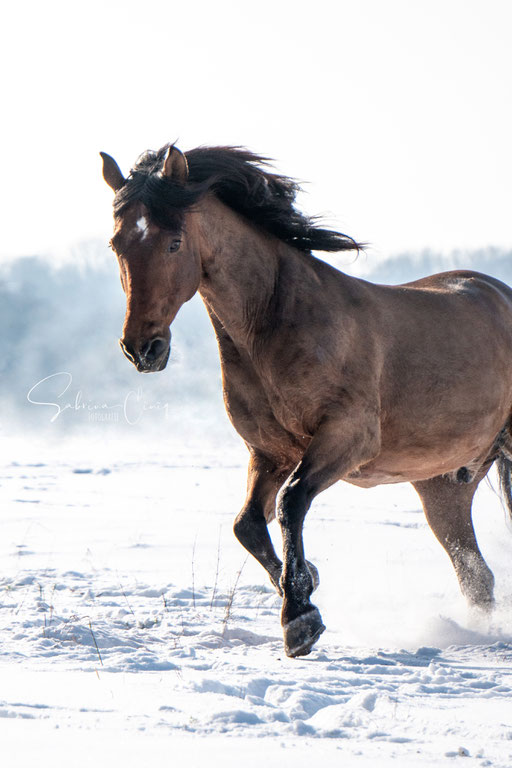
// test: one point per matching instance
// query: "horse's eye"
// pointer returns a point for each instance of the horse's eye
(174, 246)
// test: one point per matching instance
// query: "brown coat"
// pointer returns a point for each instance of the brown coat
(327, 377)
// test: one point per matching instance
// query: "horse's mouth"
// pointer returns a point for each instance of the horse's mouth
(155, 366)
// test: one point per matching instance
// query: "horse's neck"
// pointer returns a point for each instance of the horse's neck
(242, 266)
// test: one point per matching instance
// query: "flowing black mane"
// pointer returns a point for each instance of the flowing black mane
(240, 180)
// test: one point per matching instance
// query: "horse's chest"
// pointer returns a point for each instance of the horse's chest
(266, 416)
(293, 413)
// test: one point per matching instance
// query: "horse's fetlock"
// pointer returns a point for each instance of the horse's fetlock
(297, 580)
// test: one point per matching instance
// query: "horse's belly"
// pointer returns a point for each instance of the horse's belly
(418, 444)
(422, 464)
(371, 476)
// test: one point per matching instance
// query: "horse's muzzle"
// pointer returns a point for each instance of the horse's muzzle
(152, 357)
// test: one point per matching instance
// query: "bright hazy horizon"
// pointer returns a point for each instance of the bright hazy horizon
(397, 114)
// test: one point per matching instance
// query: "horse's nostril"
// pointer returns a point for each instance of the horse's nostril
(153, 349)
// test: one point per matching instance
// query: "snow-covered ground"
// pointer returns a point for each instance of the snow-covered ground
(134, 628)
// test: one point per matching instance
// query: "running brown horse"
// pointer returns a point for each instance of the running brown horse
(326, 377)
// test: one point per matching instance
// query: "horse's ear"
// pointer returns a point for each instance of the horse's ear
(175, 165)
(111, 172)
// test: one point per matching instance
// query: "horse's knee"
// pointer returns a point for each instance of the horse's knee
(243, 527)
(239, 528)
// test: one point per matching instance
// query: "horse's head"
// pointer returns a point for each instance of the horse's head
(160, 269)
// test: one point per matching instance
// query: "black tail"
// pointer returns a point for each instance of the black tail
(504, 466)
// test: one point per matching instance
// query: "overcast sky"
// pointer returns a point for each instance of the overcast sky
(397, 112)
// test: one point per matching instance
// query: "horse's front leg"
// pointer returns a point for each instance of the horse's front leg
(263, 482)
(339, 447)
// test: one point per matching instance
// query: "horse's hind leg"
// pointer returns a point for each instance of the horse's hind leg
(447, 505)
(250, 528)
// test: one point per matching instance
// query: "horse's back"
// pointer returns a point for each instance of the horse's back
(462, 280)
(447, 303)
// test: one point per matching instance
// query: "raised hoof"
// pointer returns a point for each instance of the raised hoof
(313, 572)
(301, 633)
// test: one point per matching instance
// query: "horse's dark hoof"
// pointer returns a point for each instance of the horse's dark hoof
(313, 572)
(301, 633)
